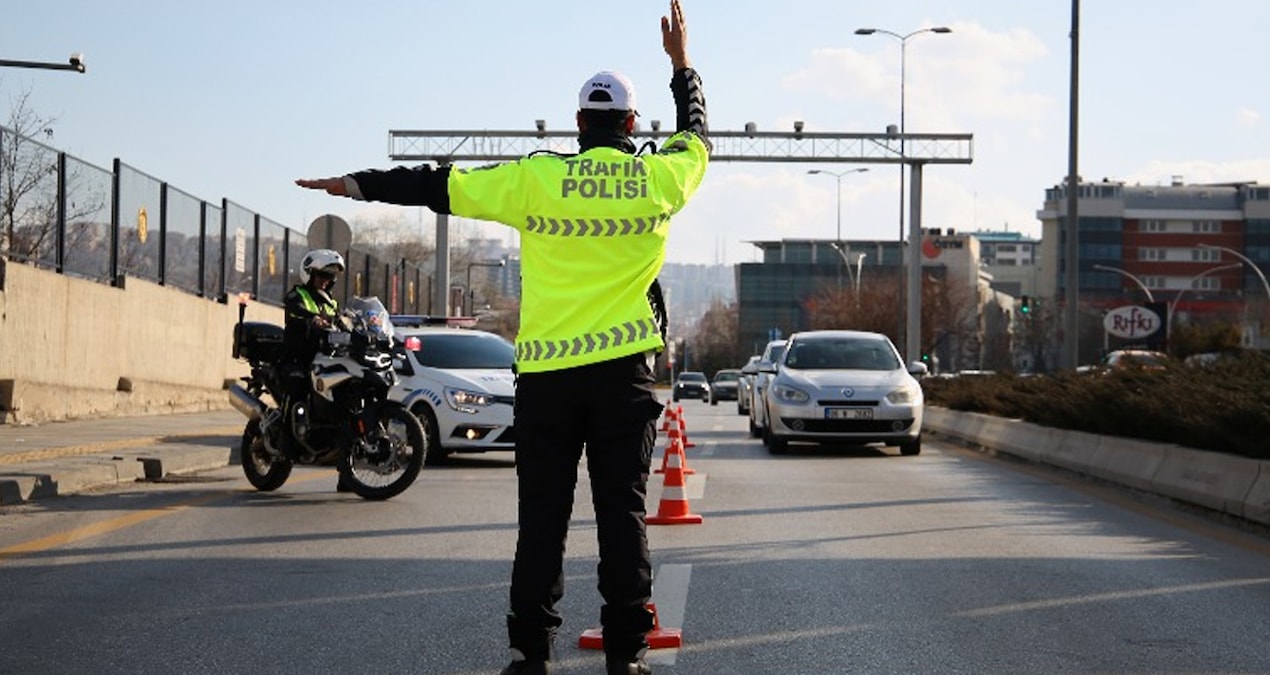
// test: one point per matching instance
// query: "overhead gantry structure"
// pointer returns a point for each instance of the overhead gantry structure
(750, 145)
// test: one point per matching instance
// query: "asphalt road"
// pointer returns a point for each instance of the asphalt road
(827, 560)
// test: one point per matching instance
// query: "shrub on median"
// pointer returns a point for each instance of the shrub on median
(1222, 407)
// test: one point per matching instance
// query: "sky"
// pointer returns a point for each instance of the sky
(236, 99)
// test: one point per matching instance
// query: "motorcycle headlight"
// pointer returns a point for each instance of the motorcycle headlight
(788, 394)
(466, 401)
(904, 396)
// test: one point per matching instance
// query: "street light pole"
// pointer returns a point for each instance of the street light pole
(837, 245)
(1168, 331)
(1244, 258)
(1136, 280)
(838, 176)
(914, 298)
(75, 63)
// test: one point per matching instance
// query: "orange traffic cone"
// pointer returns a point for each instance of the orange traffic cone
(680, 456)
(673, 507)
(658, 637)
(667, 418)
(683, 431)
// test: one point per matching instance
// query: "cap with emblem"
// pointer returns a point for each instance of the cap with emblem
(607, 90)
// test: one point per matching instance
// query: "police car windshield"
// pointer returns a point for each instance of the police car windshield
(464, 350)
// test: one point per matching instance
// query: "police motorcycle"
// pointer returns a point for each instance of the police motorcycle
(346, 420)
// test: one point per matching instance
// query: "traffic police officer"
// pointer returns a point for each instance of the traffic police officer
(593, 232)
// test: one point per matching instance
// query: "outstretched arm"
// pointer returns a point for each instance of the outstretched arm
(419, 186)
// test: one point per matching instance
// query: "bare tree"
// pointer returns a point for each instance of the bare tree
(950, 323)
(28, 180)
(871, 307)
(29, 198)
(390, 238)
(1036, 335)
(714, 343)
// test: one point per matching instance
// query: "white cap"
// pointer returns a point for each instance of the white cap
(607, 90)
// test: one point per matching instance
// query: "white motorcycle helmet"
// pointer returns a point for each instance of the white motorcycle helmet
(321, 260)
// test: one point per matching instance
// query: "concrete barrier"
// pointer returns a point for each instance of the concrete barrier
(1257, 504)
(1210, 479)
(1231, 484)
(1130, 461)
(72, 348)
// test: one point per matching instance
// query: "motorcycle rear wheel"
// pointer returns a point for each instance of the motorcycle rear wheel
(389, 459)
(265, 472)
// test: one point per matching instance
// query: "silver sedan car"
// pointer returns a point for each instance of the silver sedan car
(843, 387)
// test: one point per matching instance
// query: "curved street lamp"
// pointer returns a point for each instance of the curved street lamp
(1244, 258)
(1136, 280)
(1173, 305)
(903, 39)
(838, 175)
(912, 305)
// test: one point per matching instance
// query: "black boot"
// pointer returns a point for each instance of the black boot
(527, 667)
(615, 665)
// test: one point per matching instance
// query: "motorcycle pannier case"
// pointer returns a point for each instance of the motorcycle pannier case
(257, 341)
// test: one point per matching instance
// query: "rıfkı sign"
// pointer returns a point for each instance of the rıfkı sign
(1132, 322)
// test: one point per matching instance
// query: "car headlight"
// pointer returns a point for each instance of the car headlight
(788, 394)
(466, 401)
(904, 395)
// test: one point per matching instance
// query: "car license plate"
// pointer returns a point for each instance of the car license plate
(849, 413)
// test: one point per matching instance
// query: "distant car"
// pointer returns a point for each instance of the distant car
(835, 386)
(724, 385)
(459, 383)
(1141, 358)
(691, 384)
(745, 385)
(758, 410)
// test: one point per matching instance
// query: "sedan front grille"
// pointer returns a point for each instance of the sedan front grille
(818, 426)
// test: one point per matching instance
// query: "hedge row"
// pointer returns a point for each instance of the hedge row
(1222, 407)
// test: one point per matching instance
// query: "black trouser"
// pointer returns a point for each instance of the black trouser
(610, 409)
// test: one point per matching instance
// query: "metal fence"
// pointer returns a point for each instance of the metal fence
(61, 213)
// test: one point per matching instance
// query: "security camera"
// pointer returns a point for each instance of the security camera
(77, 61)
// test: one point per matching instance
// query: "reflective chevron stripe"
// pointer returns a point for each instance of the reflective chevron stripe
(593, 227)
(544, 350)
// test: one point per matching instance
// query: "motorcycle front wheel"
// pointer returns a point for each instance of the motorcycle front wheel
(387, 457)
(264, 471)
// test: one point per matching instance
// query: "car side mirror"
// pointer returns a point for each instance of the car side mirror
(918, 369)
(767, 368)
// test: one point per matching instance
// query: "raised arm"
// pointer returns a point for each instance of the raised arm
(685, 84)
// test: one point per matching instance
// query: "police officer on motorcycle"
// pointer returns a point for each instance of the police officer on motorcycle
(311, 313)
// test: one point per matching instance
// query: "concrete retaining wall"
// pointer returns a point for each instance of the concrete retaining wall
(1239, 486)
(71, 348)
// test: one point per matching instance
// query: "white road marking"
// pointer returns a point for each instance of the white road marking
(670, 597)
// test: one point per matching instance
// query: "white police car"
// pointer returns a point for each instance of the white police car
(458, 382)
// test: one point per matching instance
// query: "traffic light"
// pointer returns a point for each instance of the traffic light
(926, 358)
(1025, 304)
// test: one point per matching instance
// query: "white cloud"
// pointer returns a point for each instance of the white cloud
(951, 82)
(1247, 118)
(1161, 172)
